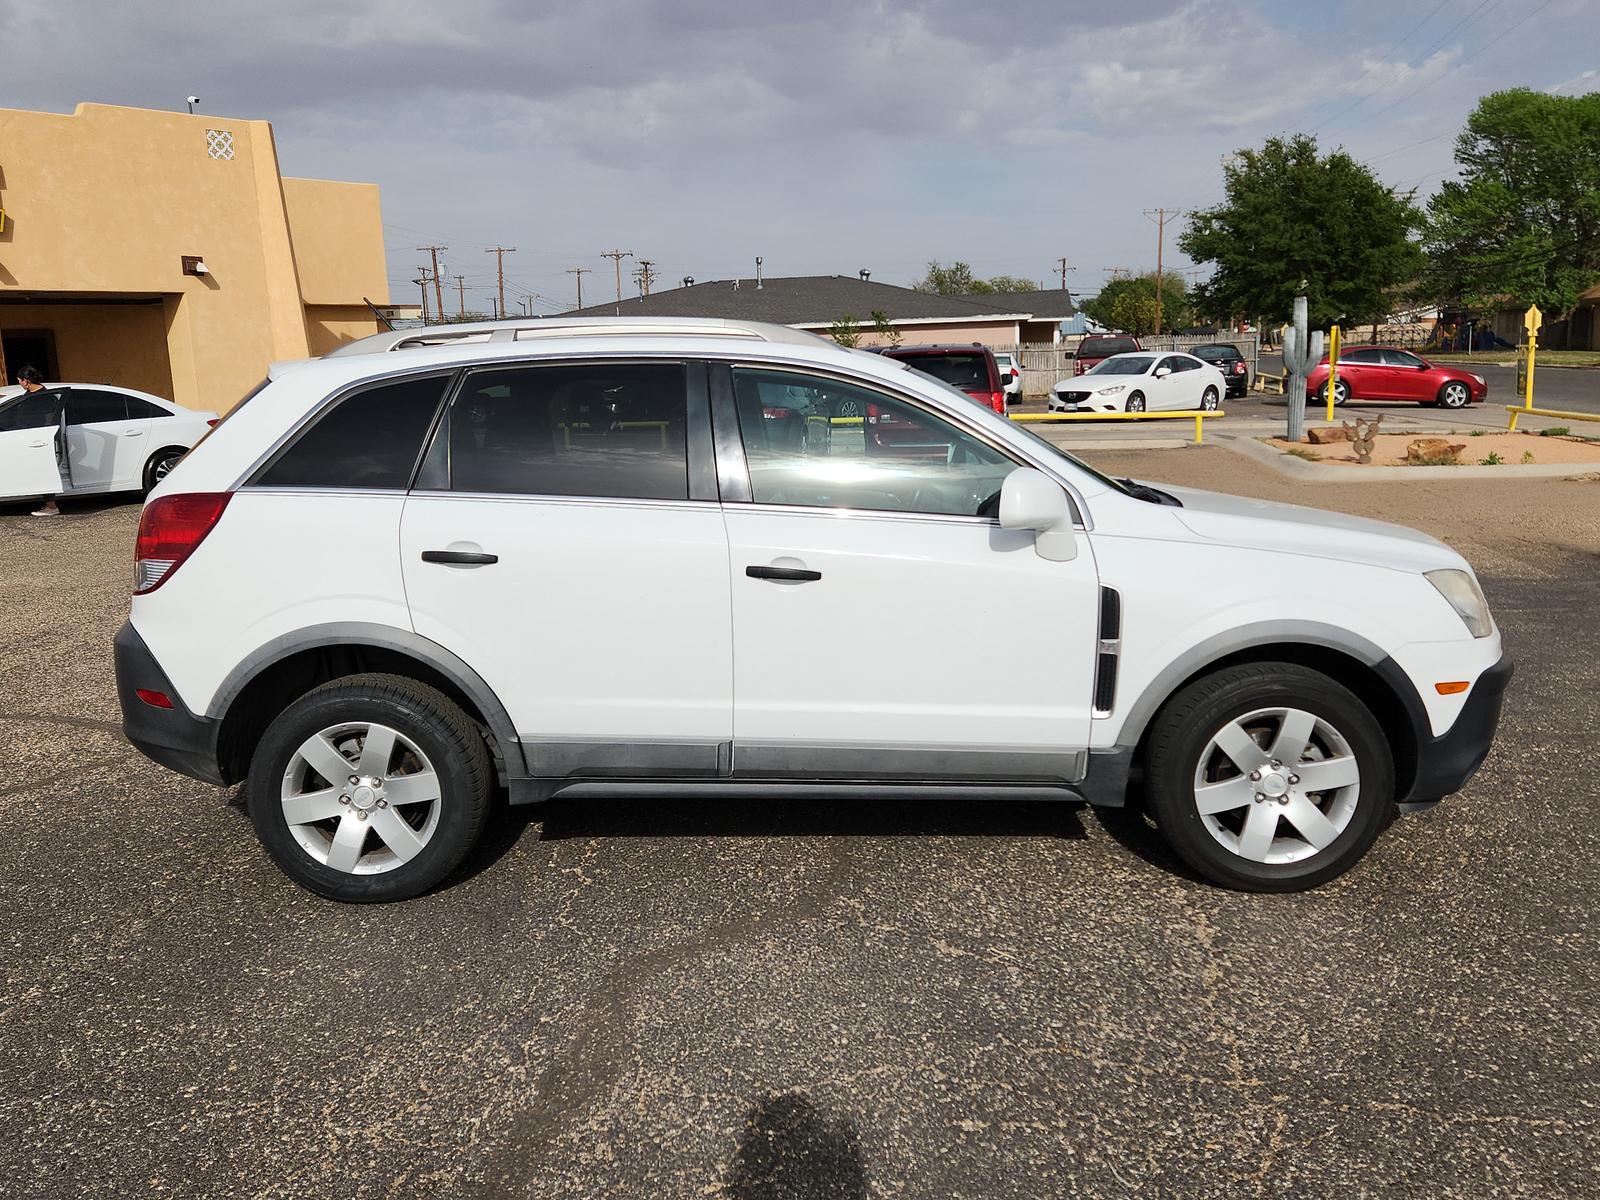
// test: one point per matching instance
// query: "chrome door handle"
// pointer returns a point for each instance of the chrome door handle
(133, 433)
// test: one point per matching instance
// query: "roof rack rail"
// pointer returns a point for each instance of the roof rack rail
(534, 328)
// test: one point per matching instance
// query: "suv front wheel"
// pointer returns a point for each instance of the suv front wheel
(1269, 777)
(370, 788)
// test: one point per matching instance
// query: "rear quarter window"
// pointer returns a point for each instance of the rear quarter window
(369, 439)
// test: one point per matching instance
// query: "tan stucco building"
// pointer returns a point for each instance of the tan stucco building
(106, 212)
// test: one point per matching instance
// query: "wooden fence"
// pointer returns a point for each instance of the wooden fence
(1043, 364)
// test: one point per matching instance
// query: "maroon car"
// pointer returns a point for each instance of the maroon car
(1389, 373)
(1097, 347)
(970, 368)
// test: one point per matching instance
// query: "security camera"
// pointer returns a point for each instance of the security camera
(194, 99)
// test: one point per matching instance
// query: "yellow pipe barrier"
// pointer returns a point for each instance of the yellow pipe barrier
(1199, 415)
(1333, 368)
(1517, 410)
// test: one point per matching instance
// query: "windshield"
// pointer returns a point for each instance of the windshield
(970, 372)
(1216, 352)
(1133, 364)
(1106, 346)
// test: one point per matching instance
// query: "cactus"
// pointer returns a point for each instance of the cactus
(1300, 354)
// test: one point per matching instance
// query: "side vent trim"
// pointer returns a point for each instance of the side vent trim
(1109, 652)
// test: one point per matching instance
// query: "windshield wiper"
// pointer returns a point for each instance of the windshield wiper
(1150, 495)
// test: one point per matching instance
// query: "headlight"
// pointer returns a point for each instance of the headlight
(1461, 589)
(1479, 378)
(1111, 391)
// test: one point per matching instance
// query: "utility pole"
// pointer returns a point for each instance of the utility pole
(461, 297)
(646, 275)
(1063, 261)
(1160, 216)
(1117, 272)
(422, 281)
(580, 272)
(500, 253)
(438, 294)
(617, 256)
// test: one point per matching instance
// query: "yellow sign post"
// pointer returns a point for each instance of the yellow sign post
(1531, 321)
(1333, 367)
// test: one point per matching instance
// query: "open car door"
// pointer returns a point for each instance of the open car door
(28, 463)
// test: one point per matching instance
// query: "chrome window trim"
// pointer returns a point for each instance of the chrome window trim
(544, 498)
(827, 510)
(1014, 453)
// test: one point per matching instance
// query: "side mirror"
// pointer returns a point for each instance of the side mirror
(1163, 372)
(1030, 499)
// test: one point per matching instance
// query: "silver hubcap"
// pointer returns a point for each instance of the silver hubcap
(1209, 402)
(1277, 785)
(361, 798)
(164, 468)
(1455, 395)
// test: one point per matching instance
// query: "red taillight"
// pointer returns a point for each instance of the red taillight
(153, 698)
(1077, 367)
(1238, 367)
(997, 401)
(169, 531)
(212, 423)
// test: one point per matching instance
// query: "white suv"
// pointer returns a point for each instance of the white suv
(609, 562)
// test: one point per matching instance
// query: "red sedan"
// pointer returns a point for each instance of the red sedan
(1389, 373)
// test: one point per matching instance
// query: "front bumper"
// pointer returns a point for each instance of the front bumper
(173, 737)
(1446, 763)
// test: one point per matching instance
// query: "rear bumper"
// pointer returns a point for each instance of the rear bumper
(173, 737)
(1445, 764)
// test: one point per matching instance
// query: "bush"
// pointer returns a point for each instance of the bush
(1555, 431)
(1490, 460)
(1527, 456)
(1475, 433)
(1308, 455)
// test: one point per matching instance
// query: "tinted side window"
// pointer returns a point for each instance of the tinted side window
(1368, 357)
(818, 442)
(139, 409)
(370, 439)
(589, 429)
(37, 410)
(1399, 358)
(87, 406)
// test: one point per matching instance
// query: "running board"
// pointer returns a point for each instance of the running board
(532, 791)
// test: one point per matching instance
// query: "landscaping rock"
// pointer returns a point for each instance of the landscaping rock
(1434, 452)
(1325, 437)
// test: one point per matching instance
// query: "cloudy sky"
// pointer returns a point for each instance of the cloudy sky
(825, 136)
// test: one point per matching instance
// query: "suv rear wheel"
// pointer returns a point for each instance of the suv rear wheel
(1269, 777)
(370, 788)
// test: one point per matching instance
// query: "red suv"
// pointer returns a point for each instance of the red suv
(1097, 347)
(969, 368)
(1389, 373)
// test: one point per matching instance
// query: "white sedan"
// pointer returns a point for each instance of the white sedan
(118, 439)
(1146, 381)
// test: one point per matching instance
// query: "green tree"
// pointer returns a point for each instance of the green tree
(884, 328)
(846, 330)
(1524, 218)
(955, 280)
(1296, 222)
(1012, 283)
(1129, 304)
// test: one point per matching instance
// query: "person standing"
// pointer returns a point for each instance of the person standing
(31, 382)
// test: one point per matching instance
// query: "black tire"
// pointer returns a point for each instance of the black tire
(160, 464)
(1208, 400)
(426, 717)
(1135, 403)
(1454, 394)
(1183, 730)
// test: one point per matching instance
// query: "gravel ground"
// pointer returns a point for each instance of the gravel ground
(804, 1000)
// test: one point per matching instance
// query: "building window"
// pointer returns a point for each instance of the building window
(219, 144)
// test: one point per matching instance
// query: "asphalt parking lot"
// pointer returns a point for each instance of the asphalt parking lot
(897, 999)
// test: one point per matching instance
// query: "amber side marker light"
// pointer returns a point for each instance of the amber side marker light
(1451, 689)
